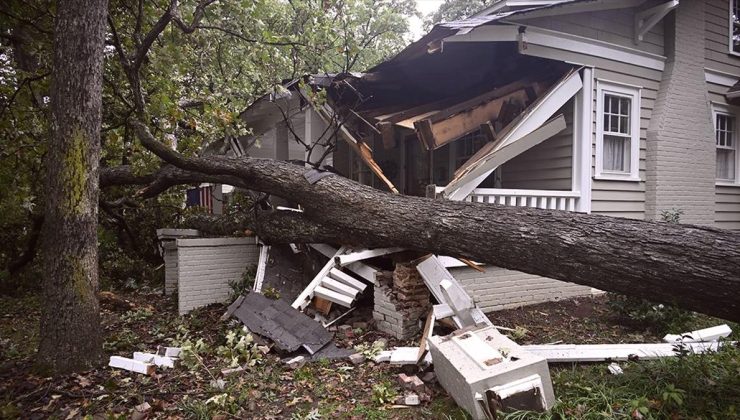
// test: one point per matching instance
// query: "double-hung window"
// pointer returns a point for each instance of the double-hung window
(617, 131)
(725, 135)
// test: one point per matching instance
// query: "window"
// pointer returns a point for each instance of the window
(734, 26)
(725, 134)
(618, 132)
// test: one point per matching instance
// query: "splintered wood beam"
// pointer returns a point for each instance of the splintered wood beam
(387, 133)
(435, 131)
(362, 149)
(488, 131)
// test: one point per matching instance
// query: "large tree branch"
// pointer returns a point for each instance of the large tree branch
(694, 266)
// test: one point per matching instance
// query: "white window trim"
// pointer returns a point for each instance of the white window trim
(727, 110)
(730, 27)
(634, 93)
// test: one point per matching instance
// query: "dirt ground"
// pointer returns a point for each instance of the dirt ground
(143, 320)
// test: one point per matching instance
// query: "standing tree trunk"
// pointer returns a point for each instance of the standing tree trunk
(70, 321)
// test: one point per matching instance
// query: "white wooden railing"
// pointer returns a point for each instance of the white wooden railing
(543, 199)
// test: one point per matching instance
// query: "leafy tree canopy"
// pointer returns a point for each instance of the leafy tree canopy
(455, 10)
(198, 74)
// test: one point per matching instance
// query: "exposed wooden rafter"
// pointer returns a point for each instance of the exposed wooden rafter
(451, 124)
(473, 172)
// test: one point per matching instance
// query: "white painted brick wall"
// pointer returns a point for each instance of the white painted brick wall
(499, 288)
(680, 167)
(206, 266)
(170, 268)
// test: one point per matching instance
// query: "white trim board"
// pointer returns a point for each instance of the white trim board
(720, 78)
(560, 41)
(634, 94)
(566, 8)
(616, 352)
(460, 189)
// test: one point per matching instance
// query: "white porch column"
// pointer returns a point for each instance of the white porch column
(314, 128)
(582, 142)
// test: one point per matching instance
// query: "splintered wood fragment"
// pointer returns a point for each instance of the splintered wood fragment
(131, 365)
(472, 265)
(488, 131)
(428, 327)
(322, 305)
(425, 134)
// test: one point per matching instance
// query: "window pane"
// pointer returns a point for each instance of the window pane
(725, 164)
(625, 106)
(614, 124)
(616, 154)
(735, 18)
(624, 125)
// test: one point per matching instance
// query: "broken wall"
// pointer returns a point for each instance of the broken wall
(499, 288)
(401, 300)
(206, 266)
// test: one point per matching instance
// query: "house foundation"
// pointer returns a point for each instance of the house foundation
(401, 300)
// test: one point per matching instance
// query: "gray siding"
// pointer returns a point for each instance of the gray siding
(206, 266)
(613, 26)
(624, 198)
(547, 166)
(727, 208)
(717, 37)
(615, 198)
(727, 199)
(499, 288)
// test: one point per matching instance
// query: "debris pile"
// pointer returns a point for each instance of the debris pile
(458, 348)
(147, 363)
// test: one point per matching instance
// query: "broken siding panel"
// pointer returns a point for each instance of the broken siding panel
(547, 166)
(613, 26)
(498, 288)
(717, 38)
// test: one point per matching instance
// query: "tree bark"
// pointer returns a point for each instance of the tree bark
(70, 336)
(695, 267)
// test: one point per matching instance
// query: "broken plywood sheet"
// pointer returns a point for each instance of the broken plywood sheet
(287, 327)
(284, 272)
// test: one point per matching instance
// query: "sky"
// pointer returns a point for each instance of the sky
(425, 7)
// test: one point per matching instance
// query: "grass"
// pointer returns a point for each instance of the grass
(705, 386)
(687, 387)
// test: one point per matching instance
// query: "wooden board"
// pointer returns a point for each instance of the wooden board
(322, 305)
(428, 327)
(333, 296)
(345, 278)
(339, 287)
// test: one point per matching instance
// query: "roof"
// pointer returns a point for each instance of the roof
(733, 94)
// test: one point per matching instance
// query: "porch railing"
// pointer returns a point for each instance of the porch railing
(543, 199)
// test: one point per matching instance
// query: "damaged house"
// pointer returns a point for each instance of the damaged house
(620, 108)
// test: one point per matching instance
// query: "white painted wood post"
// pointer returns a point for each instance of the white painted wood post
(582, 143)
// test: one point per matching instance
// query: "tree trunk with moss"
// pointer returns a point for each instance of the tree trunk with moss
(70, 337)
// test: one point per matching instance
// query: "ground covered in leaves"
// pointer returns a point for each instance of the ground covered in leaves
(691, 386)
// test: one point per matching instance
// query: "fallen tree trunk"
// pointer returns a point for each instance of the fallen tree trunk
(695, 267)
